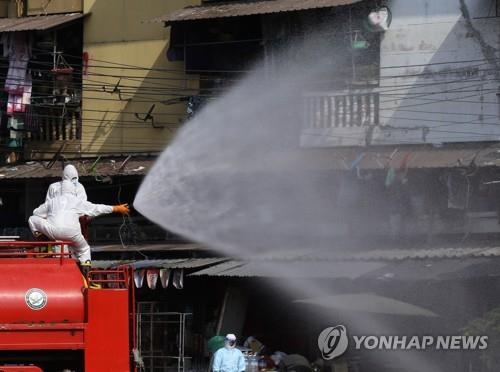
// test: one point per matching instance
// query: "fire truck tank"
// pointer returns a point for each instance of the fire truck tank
(41, 291)
(54, 319)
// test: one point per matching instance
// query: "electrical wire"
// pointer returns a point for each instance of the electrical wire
(127, 227)
(418, 86)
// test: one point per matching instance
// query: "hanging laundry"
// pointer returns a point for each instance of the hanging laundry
(139, 278)
(17, 102)
(193, 105)
(472, 167)
(390, 177)
(355, 165)
(14, 103)
(164, 277)
(403, 167)
(31, 121)
(4, 129)
(357, 161)
(178, 279)
(28, 86)
(17, 48)
(152, 278)
(457, 190)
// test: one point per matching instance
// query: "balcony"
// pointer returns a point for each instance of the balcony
(50, 129)
(339, 118)
(55, 124)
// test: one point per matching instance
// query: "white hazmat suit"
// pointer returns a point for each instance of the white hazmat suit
(58, 219)
(69, 174)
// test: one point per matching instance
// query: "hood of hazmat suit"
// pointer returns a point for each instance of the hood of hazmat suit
(70, 174)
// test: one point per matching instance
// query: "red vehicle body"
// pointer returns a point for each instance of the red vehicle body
(52, 318)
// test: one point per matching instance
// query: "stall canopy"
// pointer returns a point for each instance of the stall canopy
(369, 303)
(176, 263)
(297, 269)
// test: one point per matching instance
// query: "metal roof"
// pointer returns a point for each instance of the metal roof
(404, 270)
(443, 269)
(430, 253)
(37, 23)
(418, 156)
(382, 157)
(104, 167)
(357, 252)
(371, 158)
(246, 8)
(315, 256)
(295, 269)
(386, 254)
(369, 303)
(107, 264)
(180, 263)
(378, 158)
(153, 247)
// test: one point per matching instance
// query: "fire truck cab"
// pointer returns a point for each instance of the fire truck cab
(52, 318)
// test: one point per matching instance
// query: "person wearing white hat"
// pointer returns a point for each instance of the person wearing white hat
(229, 358)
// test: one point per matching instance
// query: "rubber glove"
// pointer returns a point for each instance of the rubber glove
(121, 208)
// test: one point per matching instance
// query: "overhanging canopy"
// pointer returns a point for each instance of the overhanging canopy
(295, 270)
(37, 23)
(247, 8)
(179, 263)
(368, 303)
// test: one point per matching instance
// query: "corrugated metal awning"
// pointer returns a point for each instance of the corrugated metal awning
(370, 158)
(419, 254)
(386, 254)
(37, 23)
(368, 303)
(150, 247)
(181, 263)
(86, 168)
(178, 263)
(442, 269)
(108, 264)
(296, 269)
(416, 156)
(410, 269)
(247, 8)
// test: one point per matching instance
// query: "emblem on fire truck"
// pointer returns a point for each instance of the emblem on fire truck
(36, 299)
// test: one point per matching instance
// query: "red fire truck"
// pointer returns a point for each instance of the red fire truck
(52, 318)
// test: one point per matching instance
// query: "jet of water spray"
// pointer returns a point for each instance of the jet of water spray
(236, 179)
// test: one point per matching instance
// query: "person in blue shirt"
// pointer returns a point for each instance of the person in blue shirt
(229, 358)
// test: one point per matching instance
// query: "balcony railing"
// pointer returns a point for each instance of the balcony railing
(55, 124)
(341, 109)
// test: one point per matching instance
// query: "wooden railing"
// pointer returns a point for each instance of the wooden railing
(341, 109)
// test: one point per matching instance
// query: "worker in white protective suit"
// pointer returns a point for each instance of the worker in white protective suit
(229, 358)
(57, 219)
(69, 174)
